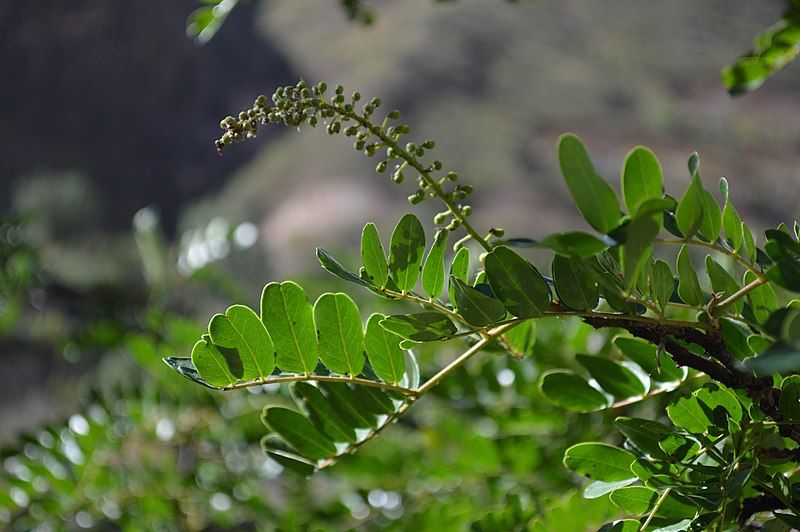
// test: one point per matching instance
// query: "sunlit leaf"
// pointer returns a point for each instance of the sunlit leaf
(731, 223)
(593, 196)
(184, 366)
(340, 333)
(641, 178)
(433, 270)
(240, 329)
(289, 319)
(687, 413)
(216, 367)
(516, 283)
(634, 499)
(599, 461)
(662, 283)
(406, 251)
(712, 217)
(689, 213)
(638, 248)
(374, 256)
(383, 350)
(459, 268)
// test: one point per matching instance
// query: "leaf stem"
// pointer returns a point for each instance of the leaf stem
(709, 245)
(321, 378)
(731, 299)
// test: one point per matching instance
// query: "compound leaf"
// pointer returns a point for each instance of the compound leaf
(516, 283)
(340, 333)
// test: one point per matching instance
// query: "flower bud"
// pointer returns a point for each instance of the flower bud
(381, 167)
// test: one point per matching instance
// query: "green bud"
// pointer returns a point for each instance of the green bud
(429, 144)
(453, 225)
(369, 151)
(466, 210)
(467, 189)
(375, 102)
(368, 109)
(350, 131)
(497, 231)
(398, 177)
(348, 108)
(322, 86)
(411, 147)
(305, 93)
(339, 89)
(404, 129)
(312, 121)
(243, 115)
(359, 145)
(419, 152)
(302, 84)
(381, 167)
(391, 153)
(437, 165)
(441, 217)
(261, 101)
(356, 96)
(413, 199)
(394, 115)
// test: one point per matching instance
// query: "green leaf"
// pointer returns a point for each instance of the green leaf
(184, 366)
(433, 270)
(638, 248)
(621, 525)
(322, 414)
(689, 213)
(731, 223)
(687, 413)
(289, 319)
(298, 432)
(383, 351)
(662, 283)
(340, 333)
(420, 327)
(749, 243)
(641, 178)
(569, 391)
(240, 329)
(595, 198)
(644, 354)
(735, 335)
(763, 301)
(374, 256)
(739, 481)
(599, 461)
(688, 284)
(335, 267)
(516, 283)
(598, 488)
(287, 457)
(575, 287)
(722, 281)
(713, 396)
(217, 368)
(614, 378)
(459, 268)
(522, 338)
(346, 403)
(634, 499)
(786, 274)
(712, 217)
(475, 307)
(645, 434)
(574, 244)
(406, 251)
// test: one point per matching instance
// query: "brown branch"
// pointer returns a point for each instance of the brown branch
(719, 364)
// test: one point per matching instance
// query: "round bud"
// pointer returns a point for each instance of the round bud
(497, 231)
(358, 145)
(339, 89)
(441, 217)
(391, 153)
(429, 144)
(261, 101)
(356, 96)
(419, 152)
(369, 109)
(381, 167)
(453, 225)
(322, 86)
(413, 199)
(302, 84)
(398, 177)
(394, 115)
(243, 115)
(411, 147)
(437, 165)
(375, 102)
(466, 210)
(369, 151)
(348, 108)
(312, 121)
(350, 131)
(467, 189)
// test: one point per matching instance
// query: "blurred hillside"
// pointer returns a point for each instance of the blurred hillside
(495, 84)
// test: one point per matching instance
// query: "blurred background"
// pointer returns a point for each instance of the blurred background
(123, 230)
